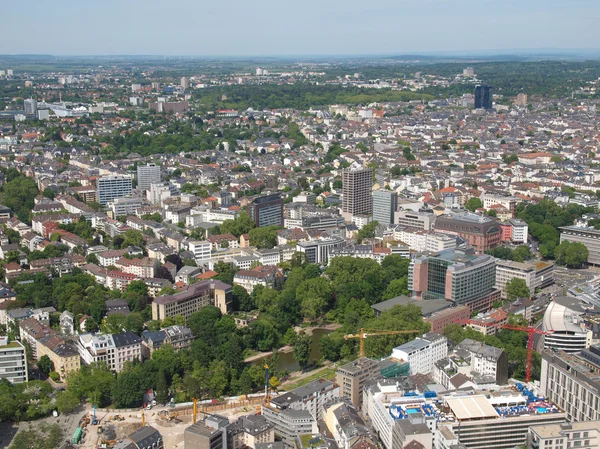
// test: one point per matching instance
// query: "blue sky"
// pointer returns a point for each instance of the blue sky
(284, 27)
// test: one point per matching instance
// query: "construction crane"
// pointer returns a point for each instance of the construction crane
(531, 331)
(364, 333)
(195, 401)
(267, 395)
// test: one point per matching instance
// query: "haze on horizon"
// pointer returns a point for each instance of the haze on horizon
(310, 27)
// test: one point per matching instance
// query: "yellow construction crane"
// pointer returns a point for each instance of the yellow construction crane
(195, 401)
(364, 333)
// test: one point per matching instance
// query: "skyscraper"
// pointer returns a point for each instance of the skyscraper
(267, 210)
(483, 97)
(185, 82)
(385, 203)
(356, 190)
(30, 106)
(146, 175)
(111, 187)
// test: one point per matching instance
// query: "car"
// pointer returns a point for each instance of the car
(149, 407)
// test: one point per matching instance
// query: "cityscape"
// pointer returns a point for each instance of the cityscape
(215, 238)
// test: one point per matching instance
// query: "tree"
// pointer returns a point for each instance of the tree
(113, 324)
(134, 322)
(517, 288)
(571, 254)
(49, 193)
(396, 288)
(264, 237)
(473, 204)
(131, 237)
(18, 194)
(162, 389)
(45, 364)
(302, 346)
(241, 225)
(314, 296)
(127, 391)
(368, 230)
(241, 299)
(521, 253)
(66, 402)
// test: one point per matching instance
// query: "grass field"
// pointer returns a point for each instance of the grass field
(325, 373)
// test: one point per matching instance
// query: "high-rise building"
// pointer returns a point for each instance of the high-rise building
(111, 187)
(521, 99)
(385, 203)
(267, 210)
(185, 82)
(565, 318)
(483, 97)
(146, 175)
(356, 191)
(352, 376)
(468, 71)
(13, 363)
(459, 276)
(30, 106)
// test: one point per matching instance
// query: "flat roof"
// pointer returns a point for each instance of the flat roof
(471, 407)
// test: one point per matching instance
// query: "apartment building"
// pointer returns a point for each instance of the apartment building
(417, 220)
(422, 241)
(535, 274)
(422, 352)
(112, 187)
(319, 250)
(266, 210)
(352, 376)
(63, 354)
(195, 297)
(120, 207)
(13, 361)
(144, 268)
(582, 435)
(385, 203)
(356, 192)
(202, 250)
(114, 350)
(147, 175)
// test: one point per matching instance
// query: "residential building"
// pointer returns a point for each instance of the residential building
(143, 268)
(519, 231)
(266, 210)
(565, 319)
(417, 220)
(584, 435)
(572, 381)
(195, 297)
(356, 192)
(588, 236)
(120, 207)
(63, 354)
(112, 187)
(13, 361)
(385, 204)
(352, 376)
(31, 331)
(459, 276)
(452, 315)
(30, 106)
(146, 437)
(114, 350)
(319, 250)
(260, 275)
(158, 192)
(422, 352)
(490, 322)
(481, 232)
(483, 97)
(249, 431)
(200, 249)
(424, 241)
(535, 274)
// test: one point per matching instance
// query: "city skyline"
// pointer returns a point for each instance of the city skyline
(334, 28)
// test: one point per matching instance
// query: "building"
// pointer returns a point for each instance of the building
(488, 323)
(521, 99)
(459, 276)
(589, 236)
(201, 250)
(479, 231)
(565, 319)
(296, 412)
(319, 250)
(169, 107)
(422, 352)
(266, 210)
(185, 82)
(535, 274)
(124, 206)
(519, 231)
(195, 297)
(483, 97)
(452, 315)
(356, 192)
(416, 220)
(30, 105)
(249, 431)
(146, 437)
(352, 376)
(63, 354)
(111, 187)
(385, 203)
(422, 241)
(584, 435)
(114, 350)
(13, 361)
(572, 381)
(207, 434)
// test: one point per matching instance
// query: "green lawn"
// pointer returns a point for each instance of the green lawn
(327, 373)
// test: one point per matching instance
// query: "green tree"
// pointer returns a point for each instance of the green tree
(396, 288)
(66, 402)
(45, 364)
(517, 288)
(162, 389)
(18, 194)
(132, 237)
(302, 346)
(134, 322)
(314, 296)
(127, 390)
(473, 204)
(368, 230)
(264, 237)
(571, 254)
(113, 324)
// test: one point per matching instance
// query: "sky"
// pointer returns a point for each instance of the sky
(304, 27)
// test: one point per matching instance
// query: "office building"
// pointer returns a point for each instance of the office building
(572, 381)
(352, 376)
(521, 99)
(535, 274)
(468, 71)
(589, 236)
(385, 203)
(459, 276)
(565, 319)
(296, 412)
(319, 250)
(356, 191)
(582, 435)
(483, 97)
(111, 187)
(421, 241)
(185, 82)
(422, 352)
(266, 210)
(479, 231)
(417, 220)
(201, 249)
(207, 434)
(30, 106)
(120, 207)
(13, 361)
(195, 297)
(159, 192)
(147, 175)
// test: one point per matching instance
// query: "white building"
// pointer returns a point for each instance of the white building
(422, 352)
(520, 231)
(317, 251)
(13, 361)
(583, 435)
(201, 249)
(114, 350)
(564, 317)
(535, 274)
(147, 175)
(124, 206)
(113, 186)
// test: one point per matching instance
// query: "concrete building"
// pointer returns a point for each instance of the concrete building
(424, 241)
(479, 231)
(319, 250)
(185, 82)
(589, 236)
(535, 274)
(266, 210)
(385, 203)
(111, 187)
(146, 437)
(30, 105)
(417, 220)
(352, 376)
(249, 431)
(572, 381)
(147, 175)
(195, 297)
(207, 434)
(422, 352)
(13, 361)
(201, 249)
(583, 435)
(565, 318)
(356, 191)
(124, 206)
(459, 276)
